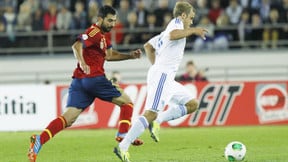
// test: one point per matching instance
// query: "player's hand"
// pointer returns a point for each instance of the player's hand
(136, 54)
(85, 67)
(201, 32)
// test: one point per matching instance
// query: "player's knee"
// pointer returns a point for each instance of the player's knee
(192, 106)
(150, 116)
(71, 115)
(69, 121)
(69, 124)
(122, 100)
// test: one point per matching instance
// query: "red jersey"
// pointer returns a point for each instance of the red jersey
(94, 51)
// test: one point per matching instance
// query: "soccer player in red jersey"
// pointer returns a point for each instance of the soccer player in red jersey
(89, 81)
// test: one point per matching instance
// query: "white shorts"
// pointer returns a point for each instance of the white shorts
(163, 89)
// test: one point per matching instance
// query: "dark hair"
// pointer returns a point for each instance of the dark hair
(105, 10)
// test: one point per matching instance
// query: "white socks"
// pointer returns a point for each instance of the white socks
(174, 112)
(141, 124)
(135, 131)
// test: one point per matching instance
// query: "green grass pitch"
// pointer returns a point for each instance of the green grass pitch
(195, 144)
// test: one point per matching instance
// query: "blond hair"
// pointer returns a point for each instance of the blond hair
(182, 7)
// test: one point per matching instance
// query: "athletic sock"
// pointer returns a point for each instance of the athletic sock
(126, 112)
(135, 131)
(52, 129)
(172, 113)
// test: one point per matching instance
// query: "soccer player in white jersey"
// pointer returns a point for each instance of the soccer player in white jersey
(165, 51)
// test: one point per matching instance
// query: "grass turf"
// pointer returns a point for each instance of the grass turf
(203, 144)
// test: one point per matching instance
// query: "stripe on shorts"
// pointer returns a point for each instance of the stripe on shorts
(159, 91)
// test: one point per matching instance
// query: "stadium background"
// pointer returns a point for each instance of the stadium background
(250, 55)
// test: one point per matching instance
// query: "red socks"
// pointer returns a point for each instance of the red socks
(126, 112)
(53, 128)
(59, 124)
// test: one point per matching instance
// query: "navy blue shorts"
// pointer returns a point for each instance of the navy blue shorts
(82, 92)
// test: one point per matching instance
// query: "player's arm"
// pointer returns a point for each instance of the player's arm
(182, 33)
(113, 55)
(78, 53)
(150, 48)
(150, 52)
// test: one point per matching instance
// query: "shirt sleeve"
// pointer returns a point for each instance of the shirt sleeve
(90, 38)
(153, 41)
(175, 23)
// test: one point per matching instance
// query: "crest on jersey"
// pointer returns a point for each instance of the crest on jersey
(84, 36)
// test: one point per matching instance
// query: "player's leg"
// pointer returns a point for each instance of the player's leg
(155, 102)
(183, 102)
(126, 112)
(176, 111)
(77, 102)
(55, 126)
(136, 130)
(60, 123)
(111, 92)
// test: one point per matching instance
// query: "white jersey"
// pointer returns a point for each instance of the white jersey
(169, 53)
(161, 86)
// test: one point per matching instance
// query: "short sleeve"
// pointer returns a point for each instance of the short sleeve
(90, 38)
(153, 41)
(175, 23)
